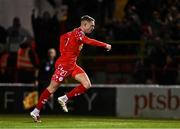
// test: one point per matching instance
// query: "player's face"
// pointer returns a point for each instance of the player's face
(89, 26)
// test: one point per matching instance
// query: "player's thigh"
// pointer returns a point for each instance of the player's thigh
(80, 75)
(60, 73)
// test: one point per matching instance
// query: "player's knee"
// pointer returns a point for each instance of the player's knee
(87, 84)
(52, 88)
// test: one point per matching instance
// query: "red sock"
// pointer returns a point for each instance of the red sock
(43, 99)
(80, 89)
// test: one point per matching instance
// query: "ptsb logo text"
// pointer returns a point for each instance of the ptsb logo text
(156, 101)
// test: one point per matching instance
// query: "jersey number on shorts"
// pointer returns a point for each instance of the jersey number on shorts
(62, 71)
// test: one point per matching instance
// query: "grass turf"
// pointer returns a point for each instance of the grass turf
(84, 122)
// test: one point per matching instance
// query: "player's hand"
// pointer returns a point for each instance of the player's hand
(108, 47)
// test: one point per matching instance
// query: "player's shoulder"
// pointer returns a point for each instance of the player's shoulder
(78, 33)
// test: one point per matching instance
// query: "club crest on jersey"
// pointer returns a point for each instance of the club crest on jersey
(61, 79)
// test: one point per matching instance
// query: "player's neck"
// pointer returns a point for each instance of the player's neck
(82, 29)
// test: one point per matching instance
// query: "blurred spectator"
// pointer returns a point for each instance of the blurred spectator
(3, 66)
(133, 24)
(59, 23)
(3, 37)
(157, 59)
(170, 71)
(27, 62)
(59, 27)
(46, 30)
(46, 69)
(101, 10)
(118, 29)
(146, 31)
(15, 37)
(74, 12)
(176, 28)
(60, 17)
(106, 9)
(156, 23)
(42, 27)
(139, 74)
(144, 7)
(100, 33)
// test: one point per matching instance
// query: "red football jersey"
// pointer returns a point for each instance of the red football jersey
(71, 44)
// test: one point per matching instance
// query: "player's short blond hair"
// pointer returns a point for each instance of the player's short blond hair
(87, 18)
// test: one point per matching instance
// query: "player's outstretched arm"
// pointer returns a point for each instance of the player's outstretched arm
(94, 42)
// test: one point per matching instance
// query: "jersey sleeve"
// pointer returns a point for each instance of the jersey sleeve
(80, 36)
(93, 42)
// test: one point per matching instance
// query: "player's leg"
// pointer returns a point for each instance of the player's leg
(80, 75)
(43, 99)
(56, 80)
(82, 87)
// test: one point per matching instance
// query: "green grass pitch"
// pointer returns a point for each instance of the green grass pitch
(83, 122)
